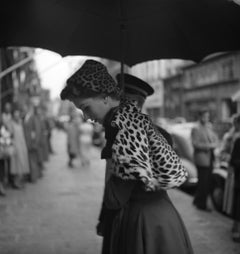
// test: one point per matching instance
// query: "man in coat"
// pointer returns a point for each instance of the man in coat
(136, 90)
(204, 142)
(31, 131)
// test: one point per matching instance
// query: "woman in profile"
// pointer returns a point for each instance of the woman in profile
(142, 166)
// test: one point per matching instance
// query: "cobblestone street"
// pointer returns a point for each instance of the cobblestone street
(58, 214)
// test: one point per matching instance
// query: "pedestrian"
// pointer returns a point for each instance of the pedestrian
(135, 91)
(235, 163)
(40, 137)
(86, 137)
(8, 123)
(49, 129)
(31, 132)
(42, 115)
(20, 161)
(7, 116)
(73, 135)
(225, 154)
(2, 175)
(204, 141)
(143, 167)
(5, 144)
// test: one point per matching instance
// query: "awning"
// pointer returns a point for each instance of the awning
(236, 96)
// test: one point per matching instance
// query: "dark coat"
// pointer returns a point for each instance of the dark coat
(235, 162)
(136, 221)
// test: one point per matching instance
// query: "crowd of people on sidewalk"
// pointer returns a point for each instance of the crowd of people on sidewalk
(25, 145)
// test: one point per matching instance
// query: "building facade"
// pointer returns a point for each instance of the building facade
(211, 84)
(19, 80)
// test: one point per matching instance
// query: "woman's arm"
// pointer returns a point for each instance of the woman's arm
(140, 153)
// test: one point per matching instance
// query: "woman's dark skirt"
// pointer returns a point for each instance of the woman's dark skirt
(149, 224)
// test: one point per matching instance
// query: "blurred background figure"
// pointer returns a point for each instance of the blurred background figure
(98, 138)
(86, 138)
(45, 130)
(225, 155)
(204, 141)
(235, 163)
(20, 160)
(49, 128)
(7, 116)
(41, 137)
(5, 143)
(73, 141)
(8, 123)
(31, 130)
(137, 90)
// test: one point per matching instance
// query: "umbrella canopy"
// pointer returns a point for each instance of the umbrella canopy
(130, 31)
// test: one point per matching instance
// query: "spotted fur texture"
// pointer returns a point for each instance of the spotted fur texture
(140, 152)
(94, 76)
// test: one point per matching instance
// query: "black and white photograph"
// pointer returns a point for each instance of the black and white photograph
(120, 127)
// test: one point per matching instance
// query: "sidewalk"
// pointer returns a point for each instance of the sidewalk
(210, 233)
(58, 214)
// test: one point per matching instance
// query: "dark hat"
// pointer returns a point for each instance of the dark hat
(135, 85)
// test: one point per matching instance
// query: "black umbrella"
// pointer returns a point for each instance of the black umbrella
(129, 31)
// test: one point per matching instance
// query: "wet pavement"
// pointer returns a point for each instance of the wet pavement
(58, 214)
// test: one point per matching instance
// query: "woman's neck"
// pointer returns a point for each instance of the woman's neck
(114, 103)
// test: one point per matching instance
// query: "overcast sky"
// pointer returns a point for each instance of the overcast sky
(54, 70)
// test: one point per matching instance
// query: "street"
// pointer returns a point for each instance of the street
(58, 214)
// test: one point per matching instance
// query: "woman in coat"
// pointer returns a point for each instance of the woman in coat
(20, 161)
(235, 162)
(142, 167)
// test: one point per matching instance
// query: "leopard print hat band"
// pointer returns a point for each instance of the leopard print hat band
(94, 76)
